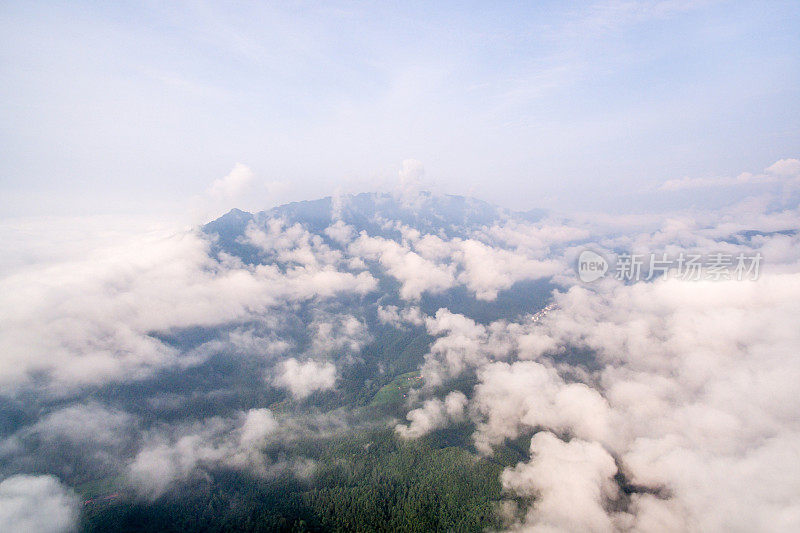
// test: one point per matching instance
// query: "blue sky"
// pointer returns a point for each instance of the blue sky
(137, 107)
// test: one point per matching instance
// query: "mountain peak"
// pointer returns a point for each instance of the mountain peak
(376, 213)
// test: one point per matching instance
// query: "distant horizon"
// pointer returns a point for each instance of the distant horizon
(687, 194)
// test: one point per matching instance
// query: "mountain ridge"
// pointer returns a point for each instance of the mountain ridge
(428, 213)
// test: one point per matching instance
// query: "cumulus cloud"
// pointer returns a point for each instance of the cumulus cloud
(416, 274)
(693, 397)
(785, 167)
(337, 334)
(536, 240)
(463, 344)
(700, 386)
(176, 454)
(428, 263)
(233, 184)
(239, 188)
(493, 261)
(37, 504)
(394, 316)
(514, 398)
(410, 176)
(488, 270)
(340, 232)
(571, 481)
(304, 378)
(89, 321)
(683, 388)
(433, 414)
(291, 244)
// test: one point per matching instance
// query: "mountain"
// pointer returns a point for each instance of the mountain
(448, 216)
(386, 217)
(384, 363)
(427, 213)
(282, 352)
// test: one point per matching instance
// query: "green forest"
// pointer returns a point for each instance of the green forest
(372, 481)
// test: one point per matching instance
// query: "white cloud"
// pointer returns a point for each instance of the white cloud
(178, 454)
(252, 344)
(535, 239)
(239, 188)
(89, 321)
(291, 244)
(304, 378)
(693, 393)
(463, 344)
(571, 481)
(337, 333)
(410, 180)
(783, 169)
(398, 318)
(429, 263)
(513, 398)
(690, 391)
(340, 232)
(37, 504)
(234, 184)
(416, 274)
(697, 183)
(695, 397)
(84, 424)
(433, 414)
(487, 270)
(38, 241)
(257, 425)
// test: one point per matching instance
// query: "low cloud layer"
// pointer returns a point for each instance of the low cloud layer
(304, 378)
(665, 405)
(571, 481)
(689, 394)
(37, 504)
(175, 455)
(433, 414)
(88, 322)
